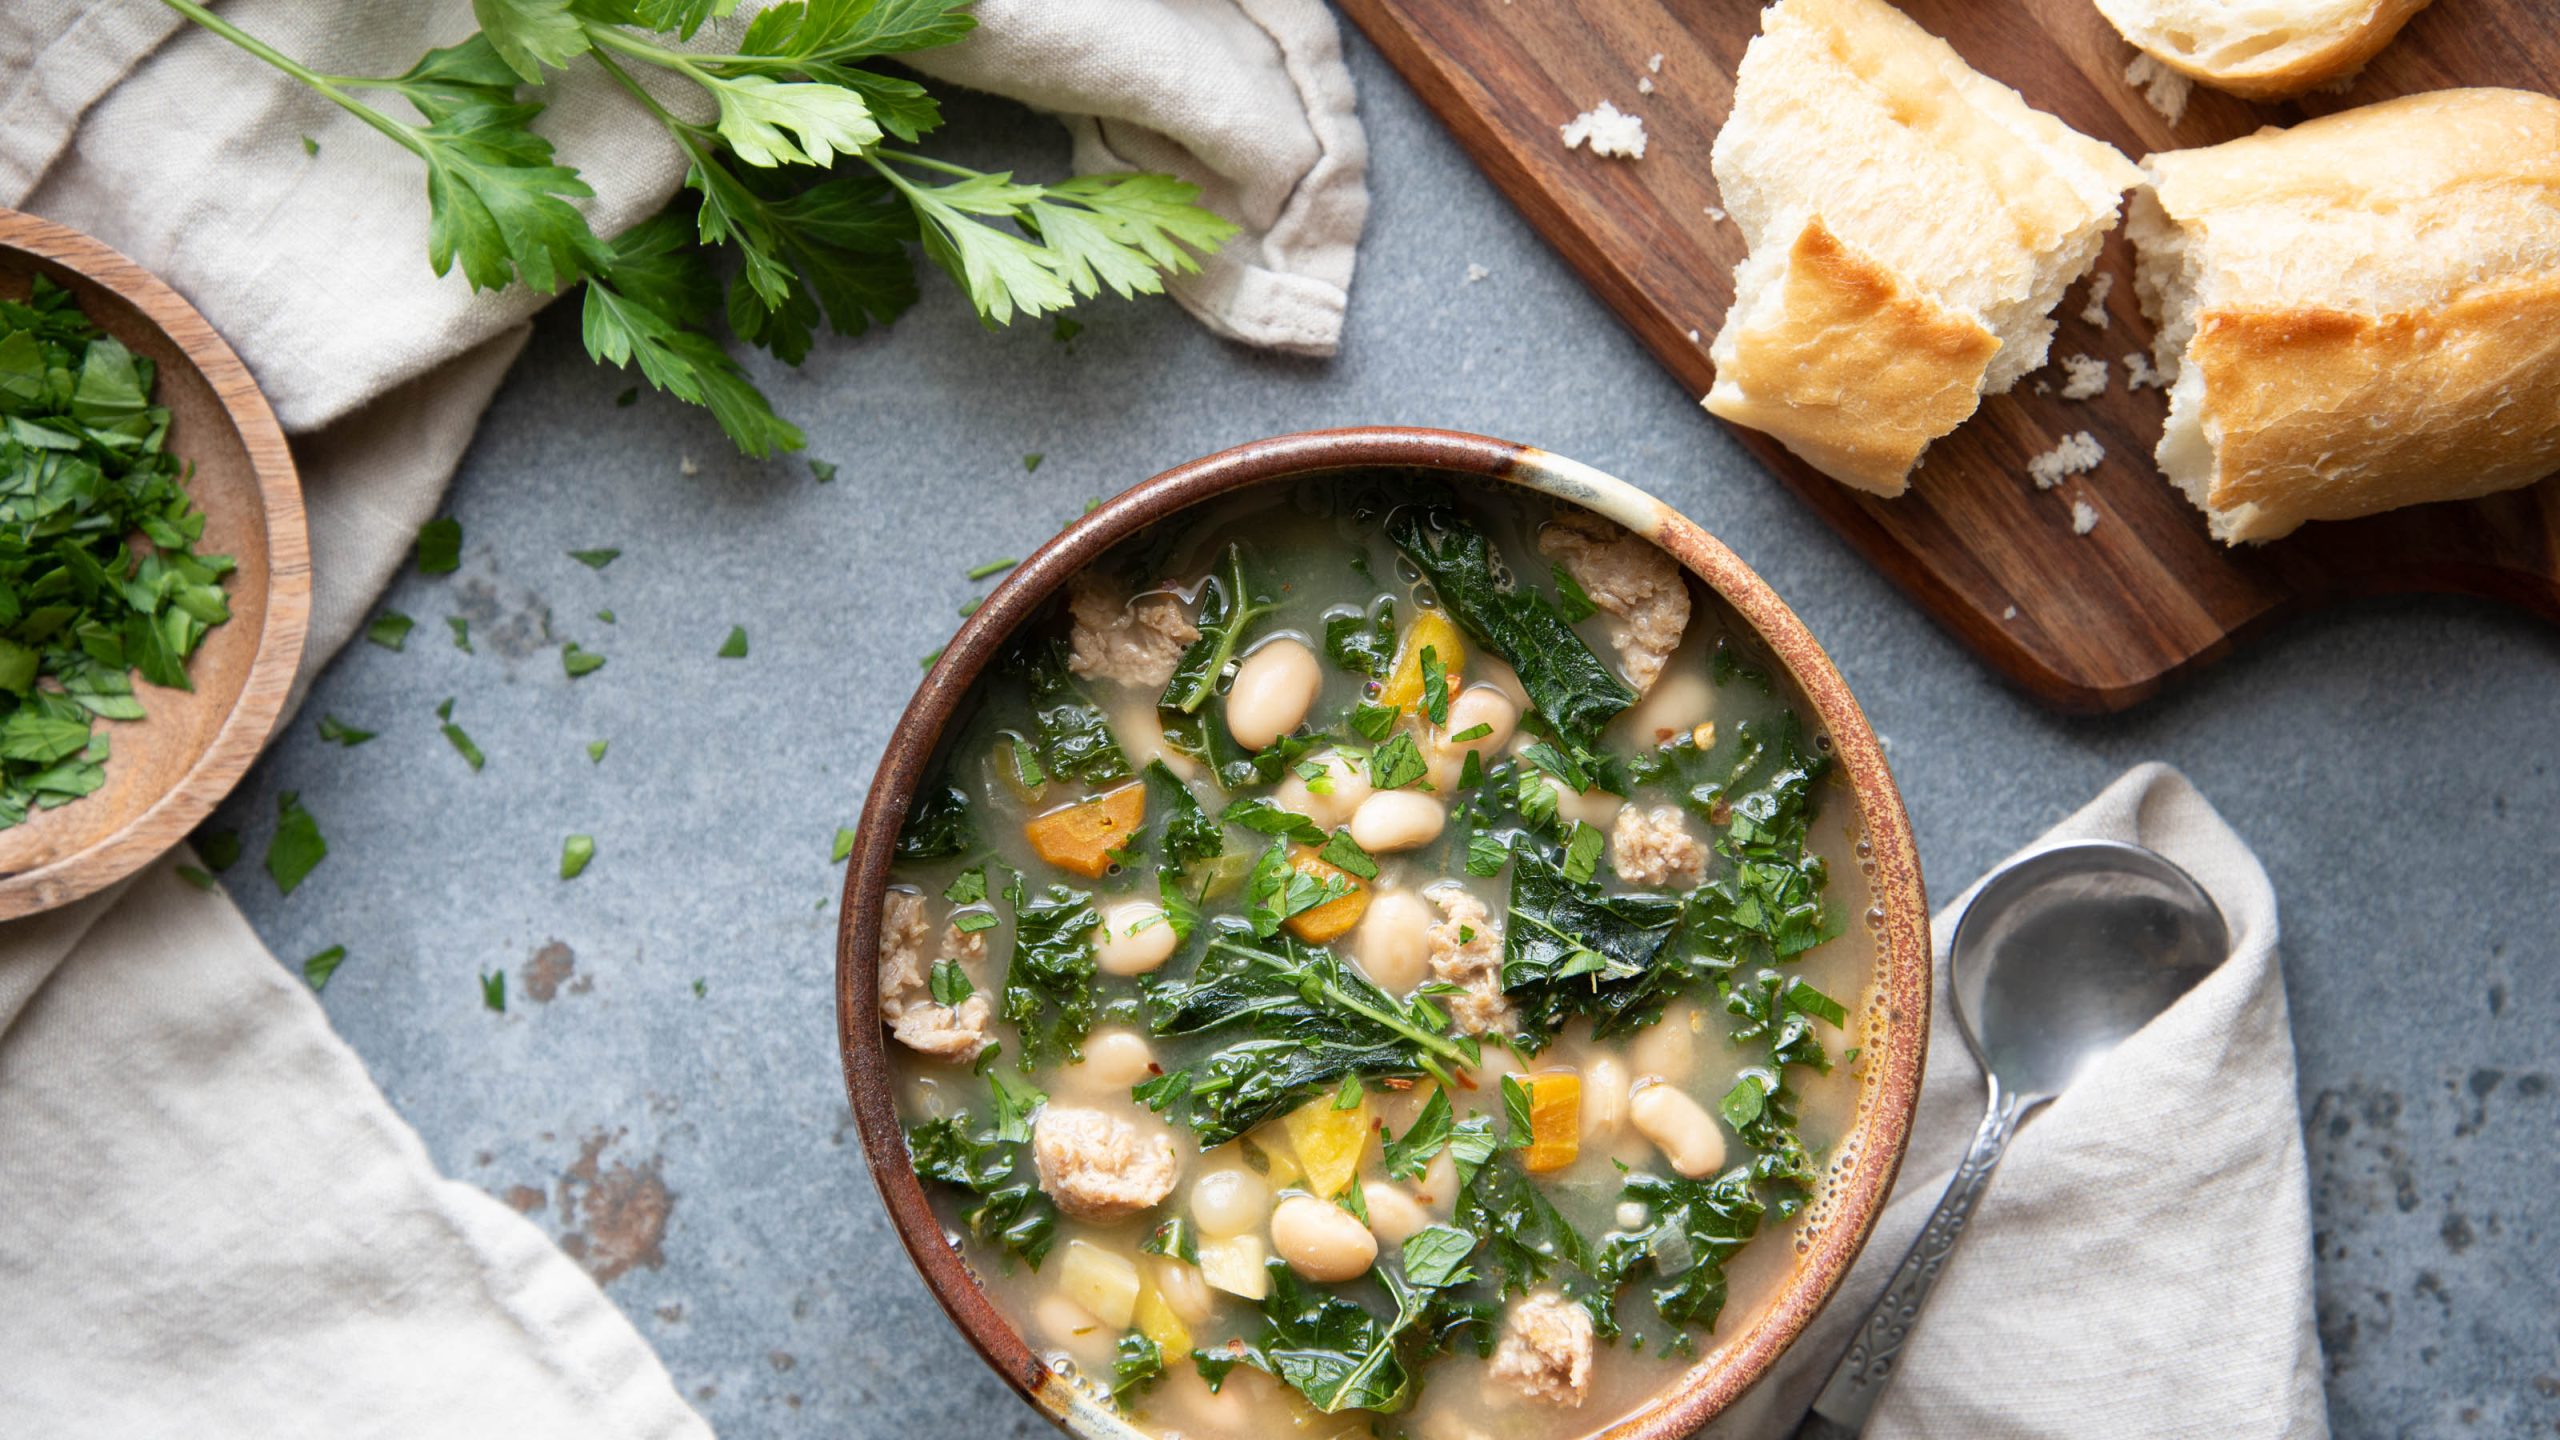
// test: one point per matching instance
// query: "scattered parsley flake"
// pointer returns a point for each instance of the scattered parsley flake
(926, 663)
(461, 742)
(219, 848)
(339, 732)
(735, 647)
(1032, 461)
(594, 559)
(1397, 763)
(317, 970)
(390, 630)
(992, 567)
(575, 852)
(701, 987)
(493, 990)
(605, 615)
(825, 471)
(297, 846)
(310, 147)
(440, 546)
(843, 846)
(970, 606)
(595, 751)
(579, 660)
(461, 633)
(195, 877)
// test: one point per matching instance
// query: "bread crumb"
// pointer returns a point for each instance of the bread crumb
(1693, 337)
(1654, 64)
(2009, 614)
(1716, 213)
(1475, 273)
(2077, 453)
(1644, 85)
(2165, 88)
(1608, 130)
(2043, 389)
(686, 467)
(2084, 517)
(2083, 376)
(2095, 312)
(2138, 374)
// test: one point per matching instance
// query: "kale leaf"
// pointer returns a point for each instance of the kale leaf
(1569, 948)
(1231, 602)
(1570, 686)
(1301, 1020)
(1692, 1228)
(1069, 734)
(1334, 1351)
(1009, 1211)
(1363, 644)
(937, 823)
(1048, 986)
(1190, 836)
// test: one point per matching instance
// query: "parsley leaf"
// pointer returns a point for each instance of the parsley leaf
(461, 633)
(317, 970)
(297, 847)
(390, 630)
(735, 647)
(575, 852)
(493, 990)
(1397, 763)
(440, 546)
(340, 732)
(594, 559)
(845, 838)
(1344, 853)
(577, 660)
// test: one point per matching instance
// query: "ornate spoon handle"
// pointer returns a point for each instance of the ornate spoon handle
(1862, 1374)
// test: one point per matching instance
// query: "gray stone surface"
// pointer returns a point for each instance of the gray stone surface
(2393, 762)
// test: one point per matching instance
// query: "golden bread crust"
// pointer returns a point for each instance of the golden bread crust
(2277, 73)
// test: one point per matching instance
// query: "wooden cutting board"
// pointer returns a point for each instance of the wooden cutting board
(2086, 622)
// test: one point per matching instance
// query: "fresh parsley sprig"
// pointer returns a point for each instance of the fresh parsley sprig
(794, 99)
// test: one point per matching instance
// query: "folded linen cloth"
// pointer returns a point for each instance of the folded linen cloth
(210, 1219)
(2141, 1264)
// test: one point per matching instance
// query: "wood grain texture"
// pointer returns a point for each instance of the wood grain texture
(2086, 623)
(167, 771)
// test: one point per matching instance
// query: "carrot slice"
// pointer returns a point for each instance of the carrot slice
(1430, 629)
(1333, 918)
(1555, 1122)
(1081, 837)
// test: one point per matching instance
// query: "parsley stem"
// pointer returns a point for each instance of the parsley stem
(329, 86)
(924, 162)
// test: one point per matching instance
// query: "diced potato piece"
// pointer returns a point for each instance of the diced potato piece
(1279, 1160)
(1235, 1265)
(1081, 837)
(1156, 1320)
(1403, 689)
(1330, 920)
(1105, 1284)
(1555, 1121)
(1329, 1142)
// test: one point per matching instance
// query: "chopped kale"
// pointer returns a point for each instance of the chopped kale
(1069, 734)
(1232, 600)
(1048, 986)
(1009, 1210)
(1190, 836)
(1363, 644)
(938, 823)
(1572, 949)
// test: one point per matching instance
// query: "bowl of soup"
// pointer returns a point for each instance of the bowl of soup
(1383, 931)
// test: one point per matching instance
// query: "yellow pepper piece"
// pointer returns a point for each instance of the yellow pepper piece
(1555, 1122)
(1156, 1320)
(1329, 1142)
(1333, 918)
(1432, 629)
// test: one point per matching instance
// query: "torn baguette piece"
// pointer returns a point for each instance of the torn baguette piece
(2261, 49)
(1912, 224)
(2359, 313)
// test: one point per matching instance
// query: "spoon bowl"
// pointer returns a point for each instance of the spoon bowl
(2065, 953)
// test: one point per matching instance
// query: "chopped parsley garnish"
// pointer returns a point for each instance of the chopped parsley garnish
(1472, 732)
(844, 846)
(317, 970)
(493, 990)
(339, 732)
(1032, 461)
(390, 630)
(193, 876)
(461, 633)
(1373, 721)
(1435, 687)
(219, 848)
(825, 471)
(1344, 853)
(594, 559)
(605, 615)
(460, 741)
(575, 852)
(735, 647)
(1256, 813)
(595, 751)
(992, 567)
(578, 660)
(440, 546)
(296, 848)
(1397, 763)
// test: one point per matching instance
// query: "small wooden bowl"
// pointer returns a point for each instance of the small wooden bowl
(166, 772)
(1894, 1008)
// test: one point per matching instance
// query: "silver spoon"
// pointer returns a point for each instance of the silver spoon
(2060, 956)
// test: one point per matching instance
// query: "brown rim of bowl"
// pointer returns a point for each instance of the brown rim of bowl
(260, 704)
(1897, 1003)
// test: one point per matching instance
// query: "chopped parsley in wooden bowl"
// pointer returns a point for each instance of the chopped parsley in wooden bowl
(139, 679)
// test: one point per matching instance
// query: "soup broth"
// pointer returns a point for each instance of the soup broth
(1381, 958)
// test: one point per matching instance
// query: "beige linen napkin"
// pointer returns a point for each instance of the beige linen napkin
(210, 1219)
(2141, 1265)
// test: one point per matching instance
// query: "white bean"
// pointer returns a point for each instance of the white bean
(1439, 1187)
(1117, 1059)
(1273, 689)
(1228, 1201)
(1604, 1097)
(1483, 705)
(1134, 938)
(1668, 1048)
(1070, 1328)
(1678, 1126)
(1345, 785)
(1184, 1292)
(1591, 807)
(1393, 944)
(1678, 701)
(1393, 1212)
(1397, 820)
(1321, 1240)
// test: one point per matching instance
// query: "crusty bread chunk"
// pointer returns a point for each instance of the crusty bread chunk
(2359, 313)
(2261, 49)
(1911, 226)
